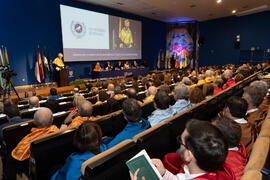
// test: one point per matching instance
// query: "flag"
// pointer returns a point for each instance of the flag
(2, 82)
(176, 65)
(4, 59)
(7, 60)
(37, 74)
(46, 63)
(158, 62)
(40, 66)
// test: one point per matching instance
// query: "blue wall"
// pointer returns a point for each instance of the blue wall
(27, 24)
(220, 35)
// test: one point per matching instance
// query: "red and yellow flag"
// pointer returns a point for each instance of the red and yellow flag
(40, 66)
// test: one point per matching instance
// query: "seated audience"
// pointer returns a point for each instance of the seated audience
(82, 114)
(254, 97)
(263, 86)
(235, 109)
(97, 67)
(94, 90)
(181, 96)
(102, 96)
(228, 74)
(76, 91)
(209, 78)
(33, 102)
(201, 79)
(77, 100)
(7, 102)
(163, 110)
(165, 88)
(218, 84)
(110, 89)
(151, 92)
(186, 81)
(208, 90)
(203, 151)
(43, 119)
(195, 95)
(118, 93)
(132, 113)
(1, 107)
(237, 156)
(126, 65)
(239, 77)
(88, 140)
(13, 117)
(131, 93)
(54, 94)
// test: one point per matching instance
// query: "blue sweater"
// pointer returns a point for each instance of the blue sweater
(131, 129)
(72, 168)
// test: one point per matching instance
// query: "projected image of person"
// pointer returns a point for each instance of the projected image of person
(125, 34)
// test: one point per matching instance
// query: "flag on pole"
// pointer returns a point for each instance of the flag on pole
(4, 59)
(46, 63)
(37, 74)
(158, 62)
(7, 60)
(40, 66)
(2, 82)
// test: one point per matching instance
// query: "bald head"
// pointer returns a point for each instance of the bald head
(131, 93)
(152, 90)
(110, 87)
(43, 117)
(85, 109)
(33, 102)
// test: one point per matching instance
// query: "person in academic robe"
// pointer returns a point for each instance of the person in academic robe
(97, 67)
(108, 66)
(125, 34)
(43, 119)
(82, 114)
(88, 140)
(58, 65)
(194, 150)
(126, 65)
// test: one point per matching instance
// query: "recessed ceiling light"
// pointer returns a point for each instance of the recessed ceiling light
(219, 1)
(233, 11)
(119, 3)
(192, 6)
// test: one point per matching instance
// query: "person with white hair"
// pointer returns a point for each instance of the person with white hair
(151, 92)
(228, 74)
(181, 95)
(186, 81)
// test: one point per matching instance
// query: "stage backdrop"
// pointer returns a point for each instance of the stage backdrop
(179, 45)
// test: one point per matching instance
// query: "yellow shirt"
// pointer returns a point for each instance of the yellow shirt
(126, 36)
(149, 99)
(201, 82)
(58, 62)
(22, 150)
(208, 79)
(78, 121)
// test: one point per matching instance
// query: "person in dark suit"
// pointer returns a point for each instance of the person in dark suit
(118, 66)
(134, 65)
(108, 66)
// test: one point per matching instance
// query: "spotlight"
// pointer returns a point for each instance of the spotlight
(219, 1)
(233, 11)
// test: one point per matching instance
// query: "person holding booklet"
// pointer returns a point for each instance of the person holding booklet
(203, 151)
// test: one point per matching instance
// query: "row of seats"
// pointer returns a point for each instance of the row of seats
(157, 141)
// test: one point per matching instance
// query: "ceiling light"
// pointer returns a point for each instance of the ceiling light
(219, 1)
(233, 11)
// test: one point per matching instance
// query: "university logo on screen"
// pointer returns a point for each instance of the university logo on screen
(78, 29)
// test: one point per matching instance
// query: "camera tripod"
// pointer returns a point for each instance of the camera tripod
(8, 88)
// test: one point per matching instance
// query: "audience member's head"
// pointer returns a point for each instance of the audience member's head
(43, 117)
(103, 96)
(254, 96)
(85, 109)
(131, 93)
(228, 73)
(88, 137)
(230, 129)
(117, 90)
(218, 83)
(262, 85)
(239, 77)
(165, 88)
(235, 107)
(152, 90)
(94, 90)
(181, 91)
(162, 100)
(76, 90)
(33, 102)
(208, 73)
(132, 110)
(77, 100)
(196, 95)
(6, 102)
(1, 107)
(203, 146)
(12, 111)
(110, 87)
(53, 91)
(186, 81)
(194, 79)
(208, 89)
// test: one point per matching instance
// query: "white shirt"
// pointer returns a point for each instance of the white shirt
(181, 176)
(252, 110)
(241, 121)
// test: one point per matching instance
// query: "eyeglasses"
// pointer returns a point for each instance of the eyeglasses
(179, 141)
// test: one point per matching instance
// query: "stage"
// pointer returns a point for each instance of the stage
(116, 73)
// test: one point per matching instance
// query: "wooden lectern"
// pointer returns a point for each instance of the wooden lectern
(63, 77)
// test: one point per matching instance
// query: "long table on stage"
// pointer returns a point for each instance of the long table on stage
(115, 73)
